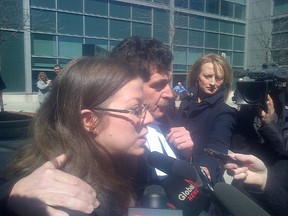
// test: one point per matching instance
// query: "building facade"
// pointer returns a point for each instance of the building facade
(42, 33)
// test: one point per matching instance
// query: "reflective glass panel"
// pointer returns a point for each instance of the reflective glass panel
(180, 55)
(238, 59)
(181, 20)
(280, 7)
(211, 40)
(181, 3)
(101, 43)
(193, 55)
(44, 21)
(99, 7)
(212, 24)
(141, 13)
(141, 29)
(95, 26)
(43, 45)
(239, 11)
(239, 43)
(43, 3)
(196, 38)
(70, 24)
(227, 8)
(197, 5)
(75, 5)
(226, 42)
(196, 22)
(161, 25)
(181, 36)
(226, 26)
(119, 29)
(120, 10)
(239, 28)
(70, 47)
(212, 6)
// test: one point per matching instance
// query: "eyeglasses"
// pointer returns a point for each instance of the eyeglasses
(140, 111)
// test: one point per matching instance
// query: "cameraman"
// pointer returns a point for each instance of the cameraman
(258, 132)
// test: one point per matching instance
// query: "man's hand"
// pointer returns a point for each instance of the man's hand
(46, 187)
(267, 116)
(181, 139)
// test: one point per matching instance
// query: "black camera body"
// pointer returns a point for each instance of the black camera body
(255, 92)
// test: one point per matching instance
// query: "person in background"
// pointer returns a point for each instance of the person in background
(43, 85)
(2, 87)
(267, 185)
(57, 69)
(205, 114)
(101, 132)
(180, 90)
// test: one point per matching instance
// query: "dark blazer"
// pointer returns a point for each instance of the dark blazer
(210, 124)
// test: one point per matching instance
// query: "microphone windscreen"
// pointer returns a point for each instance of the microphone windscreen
(236, 202)
(154, 197)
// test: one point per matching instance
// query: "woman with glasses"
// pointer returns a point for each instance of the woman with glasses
(95, 116)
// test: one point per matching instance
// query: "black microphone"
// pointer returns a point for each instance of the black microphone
(235, 202)
(172, 166)
(154, 197)
(183, 185)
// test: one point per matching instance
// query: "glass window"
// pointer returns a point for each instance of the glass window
(43, 45)
(238, 43)
(196, 22)
(141, 13)
(197, 5)
(239, 11)
(166, 2)
(101, 43)
(43, 63)
(239, 28)
(11, 15)
(227, 55)
(280, 7)
(180, 55)
(196, 38)
(141, 29)
(212, 24)
(181, 3)
(226, 42)
(99, 7)
(12, 63)
(226, 26)
(181, 20)
(280, 25)
(161, 25)
(211, 40)
(120, 10)
(227, 8)
(43, 20)
(43, 3)
(75, 5)
(70, 24)
(70, 47)
(113, 43)
(238, 59)
(95, 26)
(119, 29)
(212, 6)
(193, 55)
(181, 37)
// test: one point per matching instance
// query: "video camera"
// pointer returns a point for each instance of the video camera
(267, 79)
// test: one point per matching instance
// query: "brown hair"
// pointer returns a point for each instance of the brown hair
(84, 83)
(216, 60)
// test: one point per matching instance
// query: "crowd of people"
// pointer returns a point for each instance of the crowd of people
(89, 141)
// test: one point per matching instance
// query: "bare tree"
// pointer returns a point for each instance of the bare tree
(11, 19)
